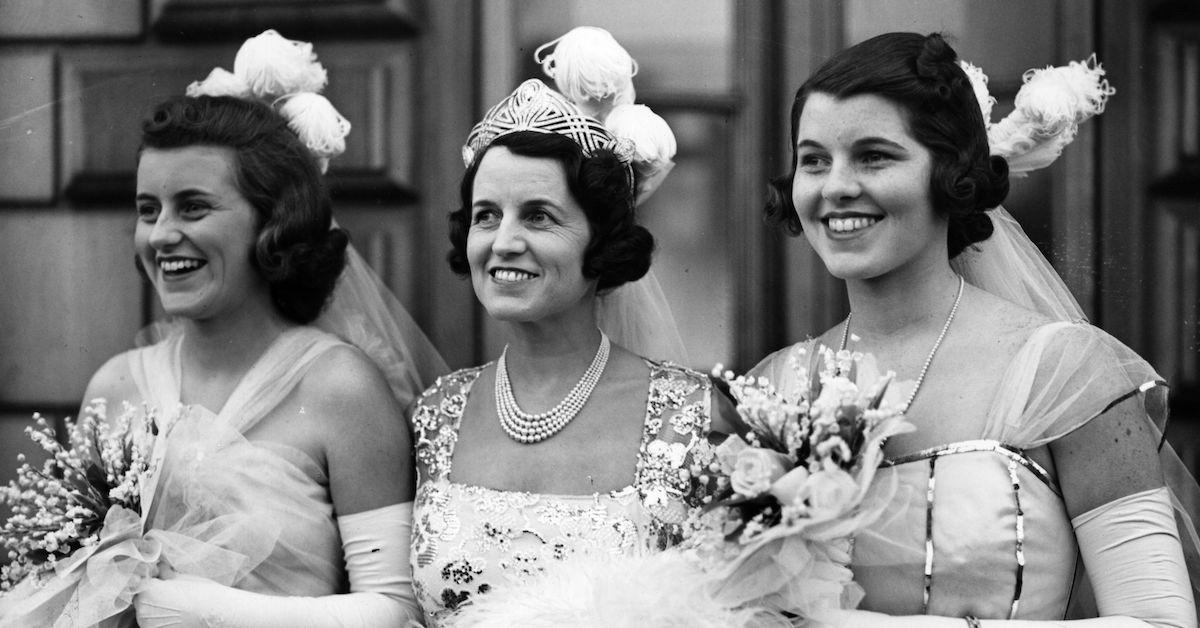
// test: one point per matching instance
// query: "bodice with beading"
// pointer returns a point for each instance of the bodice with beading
(468, 538)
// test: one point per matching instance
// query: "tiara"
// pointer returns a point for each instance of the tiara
(286, 75)
(1049, 107)
(593, 107)
(535, 107)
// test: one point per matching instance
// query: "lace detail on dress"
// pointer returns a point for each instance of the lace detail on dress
(466, 538)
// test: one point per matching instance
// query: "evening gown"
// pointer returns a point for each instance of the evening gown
(978, 527)
(467, 539)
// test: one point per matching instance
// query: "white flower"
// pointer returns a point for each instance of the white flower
(756, 470)
(274, 66)
(830, 492)
(789, 489)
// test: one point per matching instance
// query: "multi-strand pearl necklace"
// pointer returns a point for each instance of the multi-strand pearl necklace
(928, 359)
(524, 427)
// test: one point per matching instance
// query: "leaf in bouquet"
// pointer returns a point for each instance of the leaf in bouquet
(883, 385)
(814, 384)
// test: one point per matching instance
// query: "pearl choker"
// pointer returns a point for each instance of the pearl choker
(524, 427)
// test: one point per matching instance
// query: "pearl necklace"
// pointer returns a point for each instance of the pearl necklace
(524, 427)
(928, 359)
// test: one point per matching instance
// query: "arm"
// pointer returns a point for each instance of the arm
(1124, 523)
(368, 456)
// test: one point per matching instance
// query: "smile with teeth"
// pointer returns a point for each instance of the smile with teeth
(176, 266)
(846, 225)
(511, 275)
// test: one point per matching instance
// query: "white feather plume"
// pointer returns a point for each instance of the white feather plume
(318, 124)
(591, 68)
(1049, 108)
(979, 82)
(274, 66)
(220, 82)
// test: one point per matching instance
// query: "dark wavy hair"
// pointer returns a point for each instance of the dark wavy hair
(919, 73)
(296, 251)
(619, 250)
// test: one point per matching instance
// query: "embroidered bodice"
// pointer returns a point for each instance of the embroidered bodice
(467, 538)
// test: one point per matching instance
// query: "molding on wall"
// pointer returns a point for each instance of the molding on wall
(230, 20)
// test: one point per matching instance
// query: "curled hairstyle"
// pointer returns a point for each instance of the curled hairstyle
(295, 250)
(619, 250)
(921, 75)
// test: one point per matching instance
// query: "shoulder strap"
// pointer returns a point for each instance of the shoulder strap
(435, 420)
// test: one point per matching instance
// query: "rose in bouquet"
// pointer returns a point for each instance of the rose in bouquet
(795, 487)
(81, 506)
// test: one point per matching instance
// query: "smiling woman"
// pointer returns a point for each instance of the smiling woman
(195, 233)
(281, 481)
(570, 446)
(1038, 435)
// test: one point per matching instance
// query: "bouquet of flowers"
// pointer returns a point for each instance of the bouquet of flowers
(794, 488)
(75, 533)
(774, 541)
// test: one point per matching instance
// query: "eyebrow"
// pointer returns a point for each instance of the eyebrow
(188, 193)
(865, 141)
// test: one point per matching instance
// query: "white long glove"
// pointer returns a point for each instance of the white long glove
(376, 546)
(1131, 548)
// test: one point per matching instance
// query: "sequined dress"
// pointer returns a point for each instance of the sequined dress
(466, 539)
(978, 527)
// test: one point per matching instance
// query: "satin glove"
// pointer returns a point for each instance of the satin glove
(375, 544)
(176, 603)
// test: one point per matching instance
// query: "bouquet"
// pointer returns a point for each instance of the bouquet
(74, 539)
(773, 542)
(793, 490)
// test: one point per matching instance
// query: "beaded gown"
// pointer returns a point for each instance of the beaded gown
(978, 527)
(467, 539)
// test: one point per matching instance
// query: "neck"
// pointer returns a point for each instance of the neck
(902, 302)
(231, 344)
(547, 352)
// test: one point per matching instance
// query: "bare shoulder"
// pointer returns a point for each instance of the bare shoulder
(999, 321)
(114, 382)
(345, 382)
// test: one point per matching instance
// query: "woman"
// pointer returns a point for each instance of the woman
(285, 485)
(1035, 445)
(569, 445)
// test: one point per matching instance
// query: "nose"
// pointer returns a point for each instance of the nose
(165, 233)
(510, 237)
(841, 183)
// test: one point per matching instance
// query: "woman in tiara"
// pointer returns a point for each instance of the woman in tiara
(285, 482)
(569, 445)
(1035, 457)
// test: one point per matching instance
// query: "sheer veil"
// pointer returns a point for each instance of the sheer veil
(637, 317)
(1009, 265)
(363, 312)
